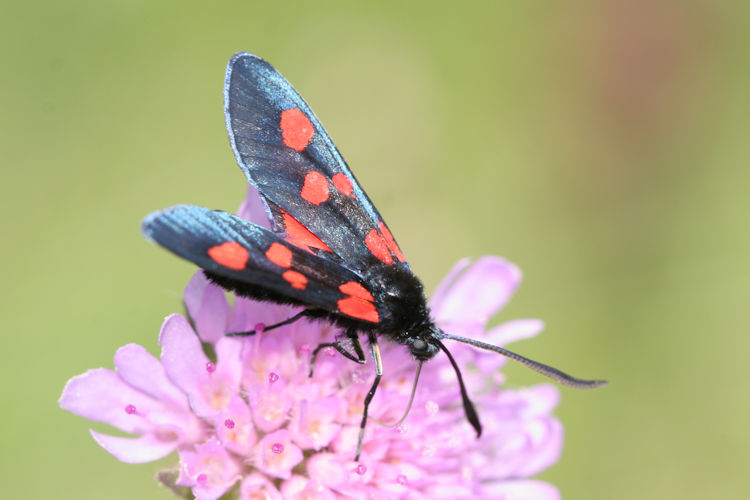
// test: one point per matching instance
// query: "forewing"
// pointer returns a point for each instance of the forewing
(311, 194)
(234, 248)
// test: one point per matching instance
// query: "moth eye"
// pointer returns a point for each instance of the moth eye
(419, 345)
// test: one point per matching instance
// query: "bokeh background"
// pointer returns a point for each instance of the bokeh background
(601, 145)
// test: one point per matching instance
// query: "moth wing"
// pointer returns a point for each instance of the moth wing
(312, 197)
(233, 248)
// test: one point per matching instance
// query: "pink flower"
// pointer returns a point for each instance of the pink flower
(252, 417)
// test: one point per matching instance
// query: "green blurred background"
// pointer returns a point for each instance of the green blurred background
(601, 145)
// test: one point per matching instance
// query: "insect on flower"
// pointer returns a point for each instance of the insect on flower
(329, 251)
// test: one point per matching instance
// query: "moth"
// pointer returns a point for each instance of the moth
(329, 251)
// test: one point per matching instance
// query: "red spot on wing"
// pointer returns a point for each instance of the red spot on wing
(378, 246)
(388, 237)
(343, 184)
(358, 308)
(230, 254)
(356, 290)
(296, 129)
(279, 255)
(315, 188)
(300, 236)
(297, 280)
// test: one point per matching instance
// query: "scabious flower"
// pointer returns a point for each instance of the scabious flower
(246, 418)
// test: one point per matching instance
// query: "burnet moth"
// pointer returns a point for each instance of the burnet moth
(329, 251)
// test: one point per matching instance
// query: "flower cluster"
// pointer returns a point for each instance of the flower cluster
(245, 417)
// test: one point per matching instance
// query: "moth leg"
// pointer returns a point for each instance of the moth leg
(307, 312)
(378, 373)
(351, 336)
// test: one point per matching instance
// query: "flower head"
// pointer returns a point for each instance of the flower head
(250, 415)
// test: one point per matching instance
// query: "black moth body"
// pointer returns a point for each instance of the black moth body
(397, 291)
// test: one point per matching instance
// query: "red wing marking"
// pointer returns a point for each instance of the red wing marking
(315, 188)
(356, 290)
(391, 242)
(343, 184)
(378, 246)
(296, 129)
(359, 309)
(229, 254)
(300, 236)
(279, 255)
(297, 280)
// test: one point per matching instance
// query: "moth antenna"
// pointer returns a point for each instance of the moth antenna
(548, 371)
(469, 410)
(408, 407)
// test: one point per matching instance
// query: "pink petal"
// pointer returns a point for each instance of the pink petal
(298, 487)
(529, 402)
(277, 455)
(135, 450)
(477, 294)
(489, 363)
(270, 405)
(139, 368)
(512, 331)
(327, 469)
(189, 428)
(235, 427)
(257, 487)
(253, 209)
(313, 424)
(101, 395)
(209, 387)
(521, 433)
(542, 447)
(207, 306)
(441, 293)
(247, 313)
(541, 399)
(261, 355)
(448, 487)
(229, 359)
(521, 490)
(209, 470)
(182, 354)
(397, 478)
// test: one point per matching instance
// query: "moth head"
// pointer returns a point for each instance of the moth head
(422, 347)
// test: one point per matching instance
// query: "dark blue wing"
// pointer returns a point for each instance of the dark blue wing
(285, 152)
(231, 247)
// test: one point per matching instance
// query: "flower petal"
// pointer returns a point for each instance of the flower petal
(102, 396)
(209, 387)
(277, 455)
(307, 489)
(139, 368)
(441, 293)
(512, 331)
(235, 428)
(524, 437)
(182, 355)
(248, 312)
(270, 405)
(207, 306)
(257, 487)
(479, 292)
(520, 490)
(313, 424)
(229, 361)
(135, 450)
(328, 469)
(253, 208)
(209, 470)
